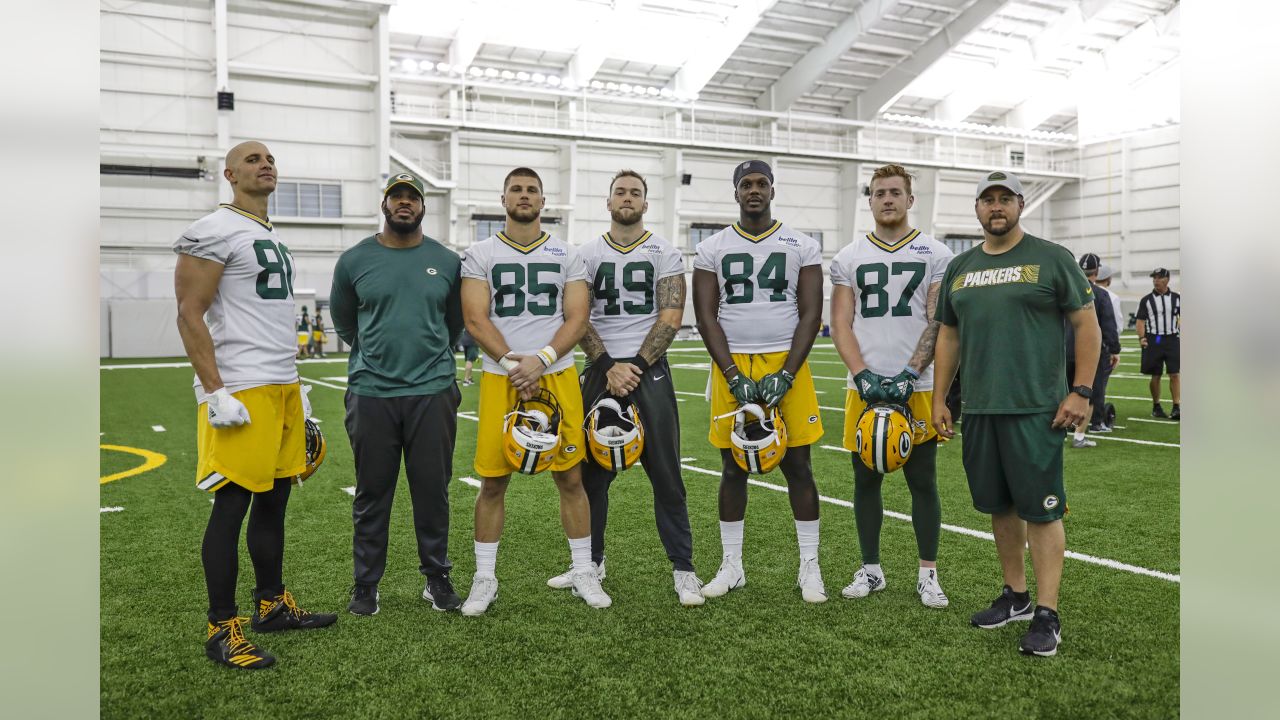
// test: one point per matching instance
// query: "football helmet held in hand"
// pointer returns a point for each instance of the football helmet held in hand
(885, 437)
(531, 433)
(759, 438)
(316, 449)
(615, 435)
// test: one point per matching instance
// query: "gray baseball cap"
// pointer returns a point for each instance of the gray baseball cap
(1002, 179)
(1104, 272)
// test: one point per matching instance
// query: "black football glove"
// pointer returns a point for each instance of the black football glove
(868, 385)
(744, 389)
(898, 388)
(773, 386)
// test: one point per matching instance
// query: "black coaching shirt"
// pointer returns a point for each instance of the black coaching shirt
(1161, 313)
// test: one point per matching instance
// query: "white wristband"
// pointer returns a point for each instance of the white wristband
(507, 363)
(548, 356)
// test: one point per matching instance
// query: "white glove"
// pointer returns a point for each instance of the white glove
(225, 410)
(306, 402)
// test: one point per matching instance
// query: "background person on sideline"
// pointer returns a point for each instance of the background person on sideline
(1107, 358)
(234, 274)
(1104, 281)
(1159, 331)
(395, 301)
(1002, 309)
(470, 353)
(317, 334)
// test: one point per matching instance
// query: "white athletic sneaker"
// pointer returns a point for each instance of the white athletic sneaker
(729, 577)
(586, 585)
(931, 592)
(864, 583)
(688, 588)
(810, 581)
(484, 590)
(564, 580)
(1083, 442)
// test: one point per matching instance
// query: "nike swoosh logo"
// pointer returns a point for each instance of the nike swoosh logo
(658, 377)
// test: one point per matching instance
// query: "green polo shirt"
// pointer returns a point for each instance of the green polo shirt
(400, 311)
(1010, 311)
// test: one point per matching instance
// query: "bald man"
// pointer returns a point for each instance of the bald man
(234, 282)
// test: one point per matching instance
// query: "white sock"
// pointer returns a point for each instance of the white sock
(807, 537)
(486, 558)
(924, 572)
(731, 538)
(874, 570)
(580, 553)
(1079, 434)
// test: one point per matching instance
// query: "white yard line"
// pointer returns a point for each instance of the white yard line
(1131, 440)
(158, 428)
(470, 481)
(1092, 560)
(1154, 421)
(322, 383)
(350, 490)
(110, 509)
(154, 366)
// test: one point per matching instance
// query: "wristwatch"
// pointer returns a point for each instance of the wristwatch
(1083, 391)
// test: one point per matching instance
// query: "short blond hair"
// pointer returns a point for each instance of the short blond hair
(889, 171)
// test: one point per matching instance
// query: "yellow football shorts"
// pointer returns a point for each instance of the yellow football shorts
(317, 336)
(920, 404)
(303, 337)
(799, 407)
(273, 444)
(498, 397)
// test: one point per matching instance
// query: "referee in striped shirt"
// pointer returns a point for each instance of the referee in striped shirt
(1159, 320)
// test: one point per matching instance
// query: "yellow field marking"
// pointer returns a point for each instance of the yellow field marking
(151, 461)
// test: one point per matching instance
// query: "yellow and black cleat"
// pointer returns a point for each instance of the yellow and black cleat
(225, 643)
(280, 612)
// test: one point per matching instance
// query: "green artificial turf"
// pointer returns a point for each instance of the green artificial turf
(757, 652)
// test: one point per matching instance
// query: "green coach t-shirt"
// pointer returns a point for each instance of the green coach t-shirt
(1010, 312)
(400, 311)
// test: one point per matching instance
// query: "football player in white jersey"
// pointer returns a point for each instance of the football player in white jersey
(525, 302)
(638, 289)
(884, 291)
(757, 293)
(234, 274)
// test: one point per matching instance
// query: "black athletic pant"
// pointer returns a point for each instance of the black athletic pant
(656, 400)
(1099, 399)
(422, 429)
(265, 538)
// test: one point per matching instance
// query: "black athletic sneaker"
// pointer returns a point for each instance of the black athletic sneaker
(1157, 411)
(280, 612)
(1045, 634)
(1176, 414)
(1005, 609)
(439, 591)
(225, 643)
(1099, 428)
(364, 600)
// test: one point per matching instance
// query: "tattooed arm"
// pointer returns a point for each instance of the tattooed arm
(670, 292)
(923, 356)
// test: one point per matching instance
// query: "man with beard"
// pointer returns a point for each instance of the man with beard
(637, 281)
(757, 293)
(234, 284)
(526, 303)
(1002, 309)
(395, 300)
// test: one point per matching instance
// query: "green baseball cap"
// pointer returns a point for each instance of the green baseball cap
(404, 179)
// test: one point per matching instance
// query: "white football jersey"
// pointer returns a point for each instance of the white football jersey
(757, 275)
(252, 315)
(891, 290)
(526, 286)
(624, 284)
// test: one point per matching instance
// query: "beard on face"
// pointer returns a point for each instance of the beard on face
(1010, 223)
(401, 226)
(522, 215)
(631, 217)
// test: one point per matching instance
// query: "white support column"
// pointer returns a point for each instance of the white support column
(852, 203)
(222, 83)
(569, 190)
(455, 174)
(1126, 221)
(672, 161)
(382, 62)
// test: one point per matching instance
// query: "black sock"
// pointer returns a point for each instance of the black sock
(1022, 597)
(1052, 613)
(265, 538)
(218, 551)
